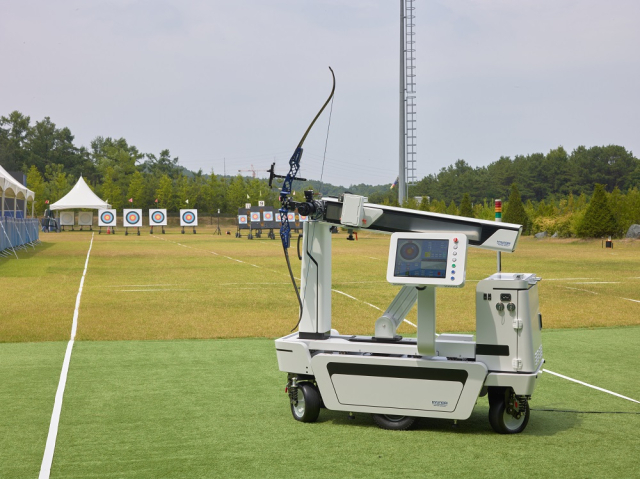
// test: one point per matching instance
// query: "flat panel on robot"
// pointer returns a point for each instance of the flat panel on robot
(429, 259)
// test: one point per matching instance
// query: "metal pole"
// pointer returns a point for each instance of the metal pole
(402, 187)
(498, 208)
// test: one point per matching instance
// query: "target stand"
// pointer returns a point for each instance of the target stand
(157, 217)
(132, 219)
(189, 218)
(107, 219)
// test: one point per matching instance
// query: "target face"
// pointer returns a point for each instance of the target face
(188, 217)
(255, 216)
(67, 218)
(242, 219)
(291, 216)
(85, 218)
(158, 217)
(303, 218)
(278, 217)
(268, 216)
(132, 218)
(106, 217)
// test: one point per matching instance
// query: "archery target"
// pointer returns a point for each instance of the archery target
(242, 219)
(158, 217)
(255, 216)
(132, 218)
(67, 218)
(303, 218)
(106, 217)
(291, 216)
(85, 218)
(278, 217)
(188, 217)
(267, 215)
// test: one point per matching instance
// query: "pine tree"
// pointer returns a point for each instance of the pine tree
(598, 220)
(465, 207)
(452, 209)
(515, 212)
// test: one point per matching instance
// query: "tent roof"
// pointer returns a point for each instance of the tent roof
(12, 188)
(80, 196)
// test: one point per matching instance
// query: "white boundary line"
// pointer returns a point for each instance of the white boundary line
(591, 386)
(47, 460)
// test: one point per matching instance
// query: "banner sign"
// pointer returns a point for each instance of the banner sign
(188, 217)
(242, 219)
(260, 203)
(255, 216)
(106, 217)
(158, 217)
(247, 205)
(67, 218)
(132, 218)
(85, 218)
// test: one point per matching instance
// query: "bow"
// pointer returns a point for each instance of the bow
(285, 201)
(294, 166)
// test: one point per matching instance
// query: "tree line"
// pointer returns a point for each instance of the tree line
(551, 192)
(118, 172)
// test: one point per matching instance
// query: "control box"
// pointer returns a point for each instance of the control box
(428, 259)
(508, 322)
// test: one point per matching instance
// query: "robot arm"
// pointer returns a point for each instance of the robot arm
(354, 212)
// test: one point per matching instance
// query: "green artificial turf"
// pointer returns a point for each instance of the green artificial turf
(217, 408)
(29, 375)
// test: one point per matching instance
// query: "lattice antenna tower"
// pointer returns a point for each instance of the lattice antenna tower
(407, 163)
(410, 93)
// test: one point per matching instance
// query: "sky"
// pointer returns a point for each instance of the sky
(229, 86)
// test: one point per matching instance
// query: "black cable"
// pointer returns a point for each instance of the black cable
(295, 286)
(585, 412)
(299, 255)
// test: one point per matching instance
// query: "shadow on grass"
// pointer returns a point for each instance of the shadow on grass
(29, 252)
(541, 423)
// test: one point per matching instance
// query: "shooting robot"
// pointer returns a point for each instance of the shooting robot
(434, 375)
(397, 379)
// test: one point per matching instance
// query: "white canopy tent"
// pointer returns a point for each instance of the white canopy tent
(80, 196)
(12, 188)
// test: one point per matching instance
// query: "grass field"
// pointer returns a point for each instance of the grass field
(153, 390)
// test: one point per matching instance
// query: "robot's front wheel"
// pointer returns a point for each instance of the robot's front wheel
(508, 413)
(306, 407)
(395, 423)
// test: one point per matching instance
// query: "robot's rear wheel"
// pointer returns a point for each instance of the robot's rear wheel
(508, 413)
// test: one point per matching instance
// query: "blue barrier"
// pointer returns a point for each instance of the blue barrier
(18, 233)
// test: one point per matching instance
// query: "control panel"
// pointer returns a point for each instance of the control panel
(430, 259)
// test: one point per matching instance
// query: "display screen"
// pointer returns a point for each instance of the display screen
(421, 258)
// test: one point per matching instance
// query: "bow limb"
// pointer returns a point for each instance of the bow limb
(333, 89)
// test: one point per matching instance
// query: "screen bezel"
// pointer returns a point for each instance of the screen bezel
(461, 257)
